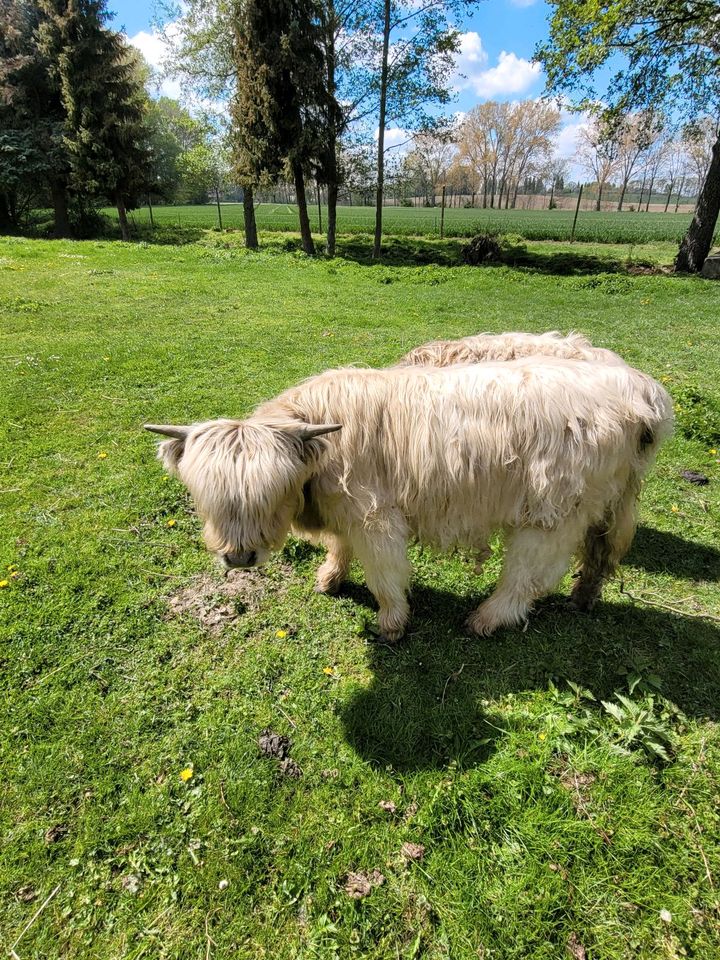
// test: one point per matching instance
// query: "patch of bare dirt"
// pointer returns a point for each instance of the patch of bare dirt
(359, 885)
(216, 602)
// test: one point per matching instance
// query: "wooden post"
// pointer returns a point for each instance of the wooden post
(217, 201)
(577, 210)
(442, 213)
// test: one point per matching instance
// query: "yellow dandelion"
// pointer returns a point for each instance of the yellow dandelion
(674, 508)
(186, 774)
(281, 634)
(12, 566)
(171, 523)
(328, 671)
(14, 574)
(542, 736)
(4, 583)
(106, 359)
(102, 455)
(712, 454)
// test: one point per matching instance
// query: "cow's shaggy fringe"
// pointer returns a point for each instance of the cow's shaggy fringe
(507, 346)
(550, 451)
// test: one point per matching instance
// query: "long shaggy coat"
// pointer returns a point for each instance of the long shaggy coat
(551, 453)
(507, 346)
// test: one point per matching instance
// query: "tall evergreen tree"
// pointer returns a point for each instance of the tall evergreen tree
(105, 103)
(280, 105)
(33, 155)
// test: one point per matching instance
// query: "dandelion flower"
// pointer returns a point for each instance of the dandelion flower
(328, 671)
(674, 508)
(712, 454)
(281, 634)
(186, 774)
(171, 523)
(14, 575)
(4, 583)
(542, 736)
(106, 359)
(102, 455)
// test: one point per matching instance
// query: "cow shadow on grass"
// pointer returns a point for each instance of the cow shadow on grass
(430, 699)
(661, 552)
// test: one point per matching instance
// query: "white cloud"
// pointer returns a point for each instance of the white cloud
(155, 49)
(522, 3)
(394, 137)
(511, 75)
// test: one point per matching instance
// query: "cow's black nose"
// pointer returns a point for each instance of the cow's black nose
(238, 559)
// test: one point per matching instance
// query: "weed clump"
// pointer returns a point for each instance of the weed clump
(483, 248)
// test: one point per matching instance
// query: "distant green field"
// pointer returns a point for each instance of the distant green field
(605, 227)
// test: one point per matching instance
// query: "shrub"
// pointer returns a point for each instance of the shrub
(483, 248)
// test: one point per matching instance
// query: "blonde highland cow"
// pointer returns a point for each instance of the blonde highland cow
(551, 453)
(507, 346)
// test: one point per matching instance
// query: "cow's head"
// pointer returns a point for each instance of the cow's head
(246, 477)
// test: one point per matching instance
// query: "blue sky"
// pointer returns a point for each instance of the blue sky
(497, 46)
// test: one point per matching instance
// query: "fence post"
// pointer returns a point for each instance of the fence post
(217, 201)
(577, 210)
(442, 213)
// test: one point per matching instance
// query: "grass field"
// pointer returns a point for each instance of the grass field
(136, 681)
(592, 227)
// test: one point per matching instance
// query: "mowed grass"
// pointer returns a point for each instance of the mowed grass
(549, 824)
(603, 227)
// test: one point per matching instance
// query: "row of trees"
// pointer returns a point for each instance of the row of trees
(77, 127)
(302, 77)
(641, 149)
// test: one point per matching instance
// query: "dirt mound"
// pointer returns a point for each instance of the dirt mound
(217, 601)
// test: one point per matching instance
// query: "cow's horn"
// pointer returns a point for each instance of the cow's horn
(168, 430)
(310, 430)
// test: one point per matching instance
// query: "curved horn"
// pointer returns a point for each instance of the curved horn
(310, 430)
(168, 430)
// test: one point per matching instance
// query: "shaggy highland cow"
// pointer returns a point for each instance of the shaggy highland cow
(551, 453)
(507, 346)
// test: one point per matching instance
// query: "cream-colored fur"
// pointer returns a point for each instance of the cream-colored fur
(548, 450)
(507, 346)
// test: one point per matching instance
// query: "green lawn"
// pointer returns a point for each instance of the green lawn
(550, 823)
(605, 227)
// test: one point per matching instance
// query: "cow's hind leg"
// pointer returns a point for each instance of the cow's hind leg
(387, 574)
(535, 561)
(334, 570)
(604, 546)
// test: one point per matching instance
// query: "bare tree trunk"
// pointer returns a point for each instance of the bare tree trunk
(122, 218)
(698, 240)
(305, 231)
(598, 202)
(649, 196)
(381, 132)
(6, 218)
(622, 196)
(642, 191)
(58, 193)
(667, 201)
(679, 196)
(217, 203)
(332, 173)
(552, 194)
(251, 237)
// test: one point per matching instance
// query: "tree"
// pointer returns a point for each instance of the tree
(31, 116)
(104, 98)
(417, 60)
(279, 103)
(635, 134)
(598, 151)
(430, 159)
(663, 54)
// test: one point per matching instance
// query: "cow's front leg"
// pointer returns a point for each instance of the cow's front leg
(387, 574)
(334, 570)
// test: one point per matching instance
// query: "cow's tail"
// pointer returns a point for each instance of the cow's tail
(607, 541)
